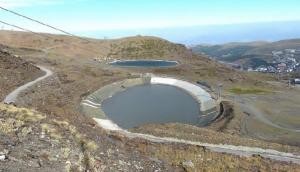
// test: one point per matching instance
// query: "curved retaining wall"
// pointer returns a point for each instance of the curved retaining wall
(91, 105)
(203, 97)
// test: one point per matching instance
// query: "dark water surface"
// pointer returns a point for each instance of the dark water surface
(152, 104)
(144, 63)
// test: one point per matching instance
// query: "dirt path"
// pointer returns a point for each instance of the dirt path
(246, 105)
(243, 151)
(12, 97)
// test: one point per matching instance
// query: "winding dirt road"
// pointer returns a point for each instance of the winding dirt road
(246, 105)
(12, 97)
(243, 151)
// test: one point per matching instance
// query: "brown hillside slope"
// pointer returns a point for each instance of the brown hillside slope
(77, 74)
(65, 49)
(14, 72)
(131, 47)
(147, 48)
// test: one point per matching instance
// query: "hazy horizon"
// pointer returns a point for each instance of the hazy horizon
(212, 34)
(188, 22)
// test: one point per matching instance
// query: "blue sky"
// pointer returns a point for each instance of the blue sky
(84, 16)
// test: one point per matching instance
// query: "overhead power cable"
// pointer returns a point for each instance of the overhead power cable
(21, 28)
(44, 35)
(42, 23)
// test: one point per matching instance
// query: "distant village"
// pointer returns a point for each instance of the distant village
(285, 61)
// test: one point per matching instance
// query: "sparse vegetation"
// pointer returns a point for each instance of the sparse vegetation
(146, 47)
(238, 90)
(23, 122)
(202, 159)
(10, 125)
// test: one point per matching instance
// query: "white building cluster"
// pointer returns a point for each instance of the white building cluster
(283, 61)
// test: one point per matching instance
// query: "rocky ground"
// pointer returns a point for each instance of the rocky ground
(32, 141)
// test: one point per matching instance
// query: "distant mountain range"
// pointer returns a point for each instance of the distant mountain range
(213, 34)
(268, 31)
(247, 53)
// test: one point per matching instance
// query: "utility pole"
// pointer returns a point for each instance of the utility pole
(219, 90)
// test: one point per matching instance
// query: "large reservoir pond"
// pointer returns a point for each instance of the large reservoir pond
(152, 104)
(144, 63)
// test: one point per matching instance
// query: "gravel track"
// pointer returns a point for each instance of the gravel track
(12, 97)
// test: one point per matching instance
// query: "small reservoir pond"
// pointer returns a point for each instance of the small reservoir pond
(144, 63)
(148, 103)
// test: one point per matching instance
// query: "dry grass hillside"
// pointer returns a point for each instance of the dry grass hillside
(65, 49)
(33, 141)
(62, 45)
(77, 74)
(148, 48)
(131, 47)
